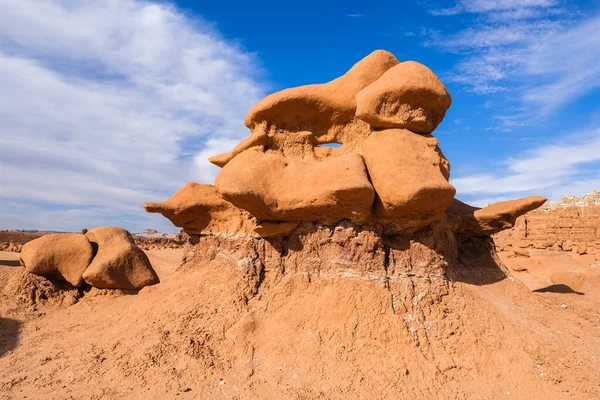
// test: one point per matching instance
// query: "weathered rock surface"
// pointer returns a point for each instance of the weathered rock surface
(289, 169)
(200, 209)
(60, 256)
(267, 229)
(491, 219)
(273, 188)
(119, 263)
(344, 250)
(331, 102)
(407, 96)
(570, 225)
(407, 174)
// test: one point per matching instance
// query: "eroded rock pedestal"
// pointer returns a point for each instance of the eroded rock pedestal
(377, 206)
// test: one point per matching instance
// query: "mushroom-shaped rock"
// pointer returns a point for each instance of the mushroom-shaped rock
(331, 102)
(273, 188)
(408, 96)
(494, 218)
(119, 263)
(200, 209)
(63, 256)
(408, 174)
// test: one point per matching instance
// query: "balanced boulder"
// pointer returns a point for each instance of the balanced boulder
(408, 175)
(331, 102)
(408, 96)
(63, 256)
(119, 263)
(274, 188)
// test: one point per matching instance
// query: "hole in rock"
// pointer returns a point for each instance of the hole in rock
(333, 144)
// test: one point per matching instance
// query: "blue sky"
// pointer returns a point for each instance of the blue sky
(106, 104)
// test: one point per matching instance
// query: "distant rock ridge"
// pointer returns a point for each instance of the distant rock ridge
(572, 224)
(591, 199)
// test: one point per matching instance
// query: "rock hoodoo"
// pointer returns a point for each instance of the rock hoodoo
(387, 174)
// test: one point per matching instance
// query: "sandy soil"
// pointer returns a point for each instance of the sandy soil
(192, 337)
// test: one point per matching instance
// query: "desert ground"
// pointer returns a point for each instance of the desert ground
(535, 333)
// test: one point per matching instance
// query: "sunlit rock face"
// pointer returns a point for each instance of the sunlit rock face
(385, 171)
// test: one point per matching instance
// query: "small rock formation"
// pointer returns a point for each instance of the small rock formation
(388, 171)
(57, 255)
(119, 263)
(105, 257)
(569, 225)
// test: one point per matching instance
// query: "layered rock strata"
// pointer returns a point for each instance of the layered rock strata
(570, 225)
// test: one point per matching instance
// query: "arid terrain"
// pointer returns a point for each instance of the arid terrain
(315, 272)
(519, 335)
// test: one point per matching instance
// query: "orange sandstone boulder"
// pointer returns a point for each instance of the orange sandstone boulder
(485, 221)
(408, 96)
(119, 263)
(62, 256)
(331, 102)
(200, 209)
(274, 188)
(408, 175)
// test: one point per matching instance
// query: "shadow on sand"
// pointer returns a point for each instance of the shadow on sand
(9, 334)
(478, 263)
(10, 263)
(559, 288)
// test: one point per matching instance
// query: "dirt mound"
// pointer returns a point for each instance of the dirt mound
(28, 290)
(229, 327)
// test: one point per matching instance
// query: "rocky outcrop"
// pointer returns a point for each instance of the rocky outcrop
(201, 209)
(105, 257)
(325, 104)
(407, 96)
(570, 225)
(60, 256)
(273, 188)
(491, 219)
(406, 172)
(386, 170)
(119, 263)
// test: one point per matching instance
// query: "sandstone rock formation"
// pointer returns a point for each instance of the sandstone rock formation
(201, 209)
(119, 263)
(387, 172)
(569, 225)
(105, 257)
(62, 256)
(407, 96)
(407, 175)
(491, 219)
(273, 188)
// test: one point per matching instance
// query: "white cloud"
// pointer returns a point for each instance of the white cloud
(532, 49)
(107, 104)
(486, 6)
(571, 166)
